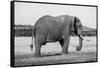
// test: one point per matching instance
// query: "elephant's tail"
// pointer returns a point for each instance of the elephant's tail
(33, 34)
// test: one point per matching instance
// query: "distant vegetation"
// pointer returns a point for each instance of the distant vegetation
(26, 30)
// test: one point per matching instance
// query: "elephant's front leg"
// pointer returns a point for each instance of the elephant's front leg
(65, 46)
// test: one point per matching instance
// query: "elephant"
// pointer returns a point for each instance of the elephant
(59, 28)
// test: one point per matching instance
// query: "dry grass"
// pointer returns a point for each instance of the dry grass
(51, 52)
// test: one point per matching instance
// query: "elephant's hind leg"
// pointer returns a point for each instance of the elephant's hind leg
(37, 47)
(40, 39)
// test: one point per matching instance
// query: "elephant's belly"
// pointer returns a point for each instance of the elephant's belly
(54, 32)
(49, 39)
(53, 38)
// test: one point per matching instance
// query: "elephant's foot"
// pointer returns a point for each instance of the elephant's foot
(37, 55)
(65, 52)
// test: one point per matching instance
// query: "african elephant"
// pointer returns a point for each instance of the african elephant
(59, 28)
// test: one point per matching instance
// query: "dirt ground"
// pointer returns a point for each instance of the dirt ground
(51, 52)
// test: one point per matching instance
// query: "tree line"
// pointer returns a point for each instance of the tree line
(28, 33)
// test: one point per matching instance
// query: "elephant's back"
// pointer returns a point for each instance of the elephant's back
(45, 21)
(42, 25)
(42, 20)
(49, 20)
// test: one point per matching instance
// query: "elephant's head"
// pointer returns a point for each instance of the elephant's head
(78, 31)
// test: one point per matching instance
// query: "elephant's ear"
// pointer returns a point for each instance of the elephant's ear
(73, 26)
(77, 25)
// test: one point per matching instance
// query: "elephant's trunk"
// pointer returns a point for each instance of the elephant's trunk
(80, 43)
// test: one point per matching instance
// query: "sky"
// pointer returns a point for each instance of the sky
(29, 13)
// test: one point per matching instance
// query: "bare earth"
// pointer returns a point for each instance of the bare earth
(51, 52)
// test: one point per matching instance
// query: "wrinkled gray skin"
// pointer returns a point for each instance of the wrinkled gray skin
(59, 28)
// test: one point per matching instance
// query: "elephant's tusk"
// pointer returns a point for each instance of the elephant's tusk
(84, 38)
(81, 37)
